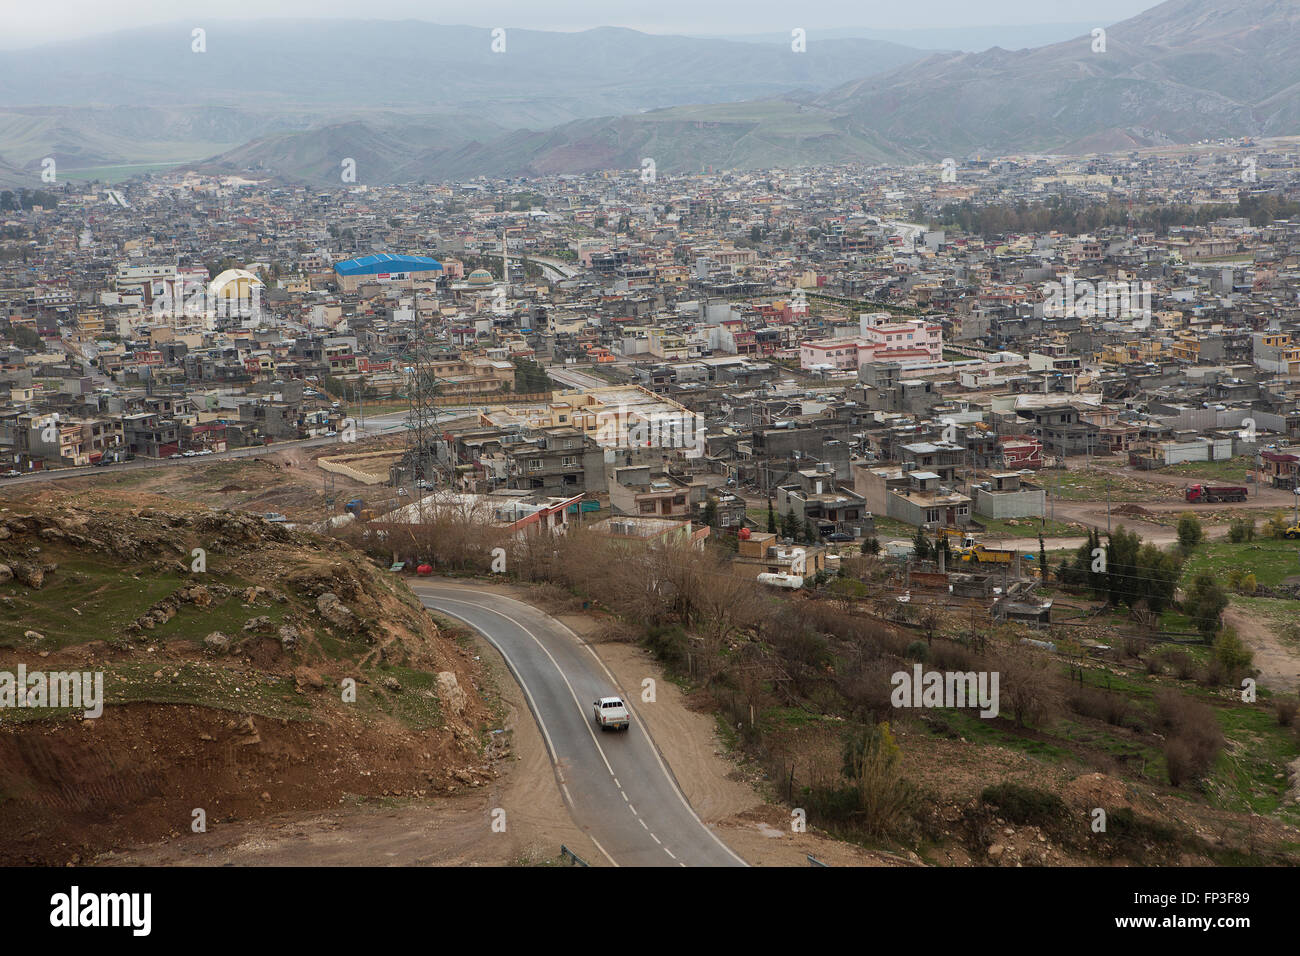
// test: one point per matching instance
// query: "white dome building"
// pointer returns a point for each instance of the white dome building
(236, 292)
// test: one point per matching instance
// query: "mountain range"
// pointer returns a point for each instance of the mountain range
(417, 101)
(146, 96)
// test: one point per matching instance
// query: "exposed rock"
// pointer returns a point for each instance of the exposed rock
(305, 676)
(334, 610)
(216, 643)
(261, 623)
(30, 575)
(450, 692)
(6, 574)
(197, 595)
(289, 636)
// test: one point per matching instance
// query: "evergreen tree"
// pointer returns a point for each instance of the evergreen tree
(771, 517)
(921, 545)
(790, 524)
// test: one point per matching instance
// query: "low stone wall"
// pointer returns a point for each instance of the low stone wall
(342, 465)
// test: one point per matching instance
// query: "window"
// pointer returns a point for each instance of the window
(534, 463)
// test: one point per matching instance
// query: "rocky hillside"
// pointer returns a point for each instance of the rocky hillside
(227, 646)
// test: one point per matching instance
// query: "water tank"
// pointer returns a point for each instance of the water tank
(791, 581)
(743, 534)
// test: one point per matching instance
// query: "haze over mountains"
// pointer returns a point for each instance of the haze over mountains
(154, 99)
(413, 100)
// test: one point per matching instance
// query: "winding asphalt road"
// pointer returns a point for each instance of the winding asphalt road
(616, 784)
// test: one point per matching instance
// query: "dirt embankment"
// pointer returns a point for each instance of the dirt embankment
(227, 683)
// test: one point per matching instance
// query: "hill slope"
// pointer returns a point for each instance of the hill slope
(222, 687)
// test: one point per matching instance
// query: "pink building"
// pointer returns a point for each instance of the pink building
(841, 354)
(907, 343)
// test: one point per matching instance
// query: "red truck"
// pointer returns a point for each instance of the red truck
(1215, 493)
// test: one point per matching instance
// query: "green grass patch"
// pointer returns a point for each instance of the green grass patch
(1027, 528)
(88, 599)
(204, 684)
(415, 705)
(1271, 561)
(1245, 777)
(1232, 471)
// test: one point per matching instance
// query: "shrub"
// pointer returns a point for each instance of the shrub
(918, 651)
(1026, 686)
(670, 645)
(1276, 525)
(1181, 663)
(1190, 532)
(1099, 705)
(1204, 603)
(1025, 805)
(876, 800)
(1241, 530)
(1286, 711)
(1234, 655)
(1193, 737)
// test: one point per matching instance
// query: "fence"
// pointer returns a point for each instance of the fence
(577, 860)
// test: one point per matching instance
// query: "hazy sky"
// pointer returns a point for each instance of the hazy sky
(25, 24)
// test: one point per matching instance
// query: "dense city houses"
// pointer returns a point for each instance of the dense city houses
(850, 344)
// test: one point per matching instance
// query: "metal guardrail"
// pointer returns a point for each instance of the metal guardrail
(565, 851)
(813, 861)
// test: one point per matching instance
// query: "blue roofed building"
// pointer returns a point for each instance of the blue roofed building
(386, 267)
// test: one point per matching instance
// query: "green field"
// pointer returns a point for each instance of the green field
(1270, 561)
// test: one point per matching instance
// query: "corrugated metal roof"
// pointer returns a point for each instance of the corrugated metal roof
(385, 262)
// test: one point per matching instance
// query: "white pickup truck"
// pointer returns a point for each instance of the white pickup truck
(611, 712)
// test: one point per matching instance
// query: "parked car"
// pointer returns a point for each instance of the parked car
(840, 536)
